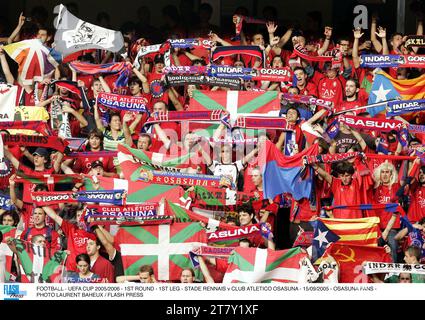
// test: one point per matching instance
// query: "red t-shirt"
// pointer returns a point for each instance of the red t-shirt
(53, 245)
(83, 165)
(23, 98)
(104, 269)
(77, 242)
(417, 204)
(346, 195)
(385, 194)
(331, 89)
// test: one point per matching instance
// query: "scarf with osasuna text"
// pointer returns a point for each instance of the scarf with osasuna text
(121, 102)
(237, 233)
(262, 123)
(177, 178)
(38, 126)
(226, 51)
(308, 100)
(239, 23)
(134, 210)
(115, 197)
(51, 142)
(181, 80)
(415, 41)
(382, 125)
(178, 116)
(219, 252)
(119, 68)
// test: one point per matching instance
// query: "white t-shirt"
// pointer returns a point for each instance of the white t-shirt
(230, 170)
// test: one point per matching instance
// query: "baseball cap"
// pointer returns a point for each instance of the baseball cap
(42, 152)
(96, 163)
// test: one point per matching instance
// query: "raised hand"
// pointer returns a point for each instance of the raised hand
(382, 33)
(21, 19)
(358, 33)
(271, 27)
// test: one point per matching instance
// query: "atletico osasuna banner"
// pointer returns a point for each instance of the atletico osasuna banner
(236, 102)
(165, 247)
(283, 174)
(73, 34)
(351, 257)
(38, 263)
(7, 102)
(137, 191)
(120, 102)
(253, 265)
(135, 210)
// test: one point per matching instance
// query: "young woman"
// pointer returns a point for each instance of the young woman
(84, 274)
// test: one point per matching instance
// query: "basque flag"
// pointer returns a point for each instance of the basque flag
(287, 174)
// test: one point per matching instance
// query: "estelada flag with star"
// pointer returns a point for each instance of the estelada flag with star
(386, 88)
(350, 259)
(165, 247)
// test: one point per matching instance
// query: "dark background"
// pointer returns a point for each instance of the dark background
(338, 14)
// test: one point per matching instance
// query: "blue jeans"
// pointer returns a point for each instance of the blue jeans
(393, 244)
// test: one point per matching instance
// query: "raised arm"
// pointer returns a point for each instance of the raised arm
(376, 43)
(328, 35)
(5, 67)
(97, 119)
(105, 86)
(17, 31)
(357, 35)
(13, 197)
(105, 242)
(162, 136)
(382, 34)
(58, 161)
(141, 76)
(322, 173)
(205, 271)
(52, 214)
(126, 129)
(68, 109)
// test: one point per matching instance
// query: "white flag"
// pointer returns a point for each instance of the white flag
(74, 34)
(7, 102)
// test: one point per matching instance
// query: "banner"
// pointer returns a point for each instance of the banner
(7, 102)
(396, 108)
(382, 125)
(273, 74)
(190, 43)
(51, 142)
(392, 61)
(115, 197)
(177, 116)
(237, 233)
(74, 34)
(47, 178)
(384, 267)
(135, 210)
(91, 155)
(120, 69)
(151, 51)
(219, 252)
(414, 41)
(226, 51)
(181, 80)
(130, 221)
(308, 100)
(185, 70)
(241, 19)
(231, 72)
(5, 202)
(303, 53)
(120, 102)
(13, 126)
(262, 123)
(177, 178)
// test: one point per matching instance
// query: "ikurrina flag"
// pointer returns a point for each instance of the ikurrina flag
(253, 265)
(236, 102)
(131, 158)
(34, 60)
(137, 191)
(38, 264)
(363, 231)
(165, 247)
(5, 253)
(287, 174)
(185, 215)
(350, 259)
(74, 34)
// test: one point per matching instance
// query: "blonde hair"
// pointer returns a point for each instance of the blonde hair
(385, 166)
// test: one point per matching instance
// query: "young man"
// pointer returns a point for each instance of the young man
(40, 228)
(353, 97)
(98, 264)
(345, 189)
(146, 274)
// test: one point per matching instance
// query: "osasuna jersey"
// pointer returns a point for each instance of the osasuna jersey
(230, 170)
